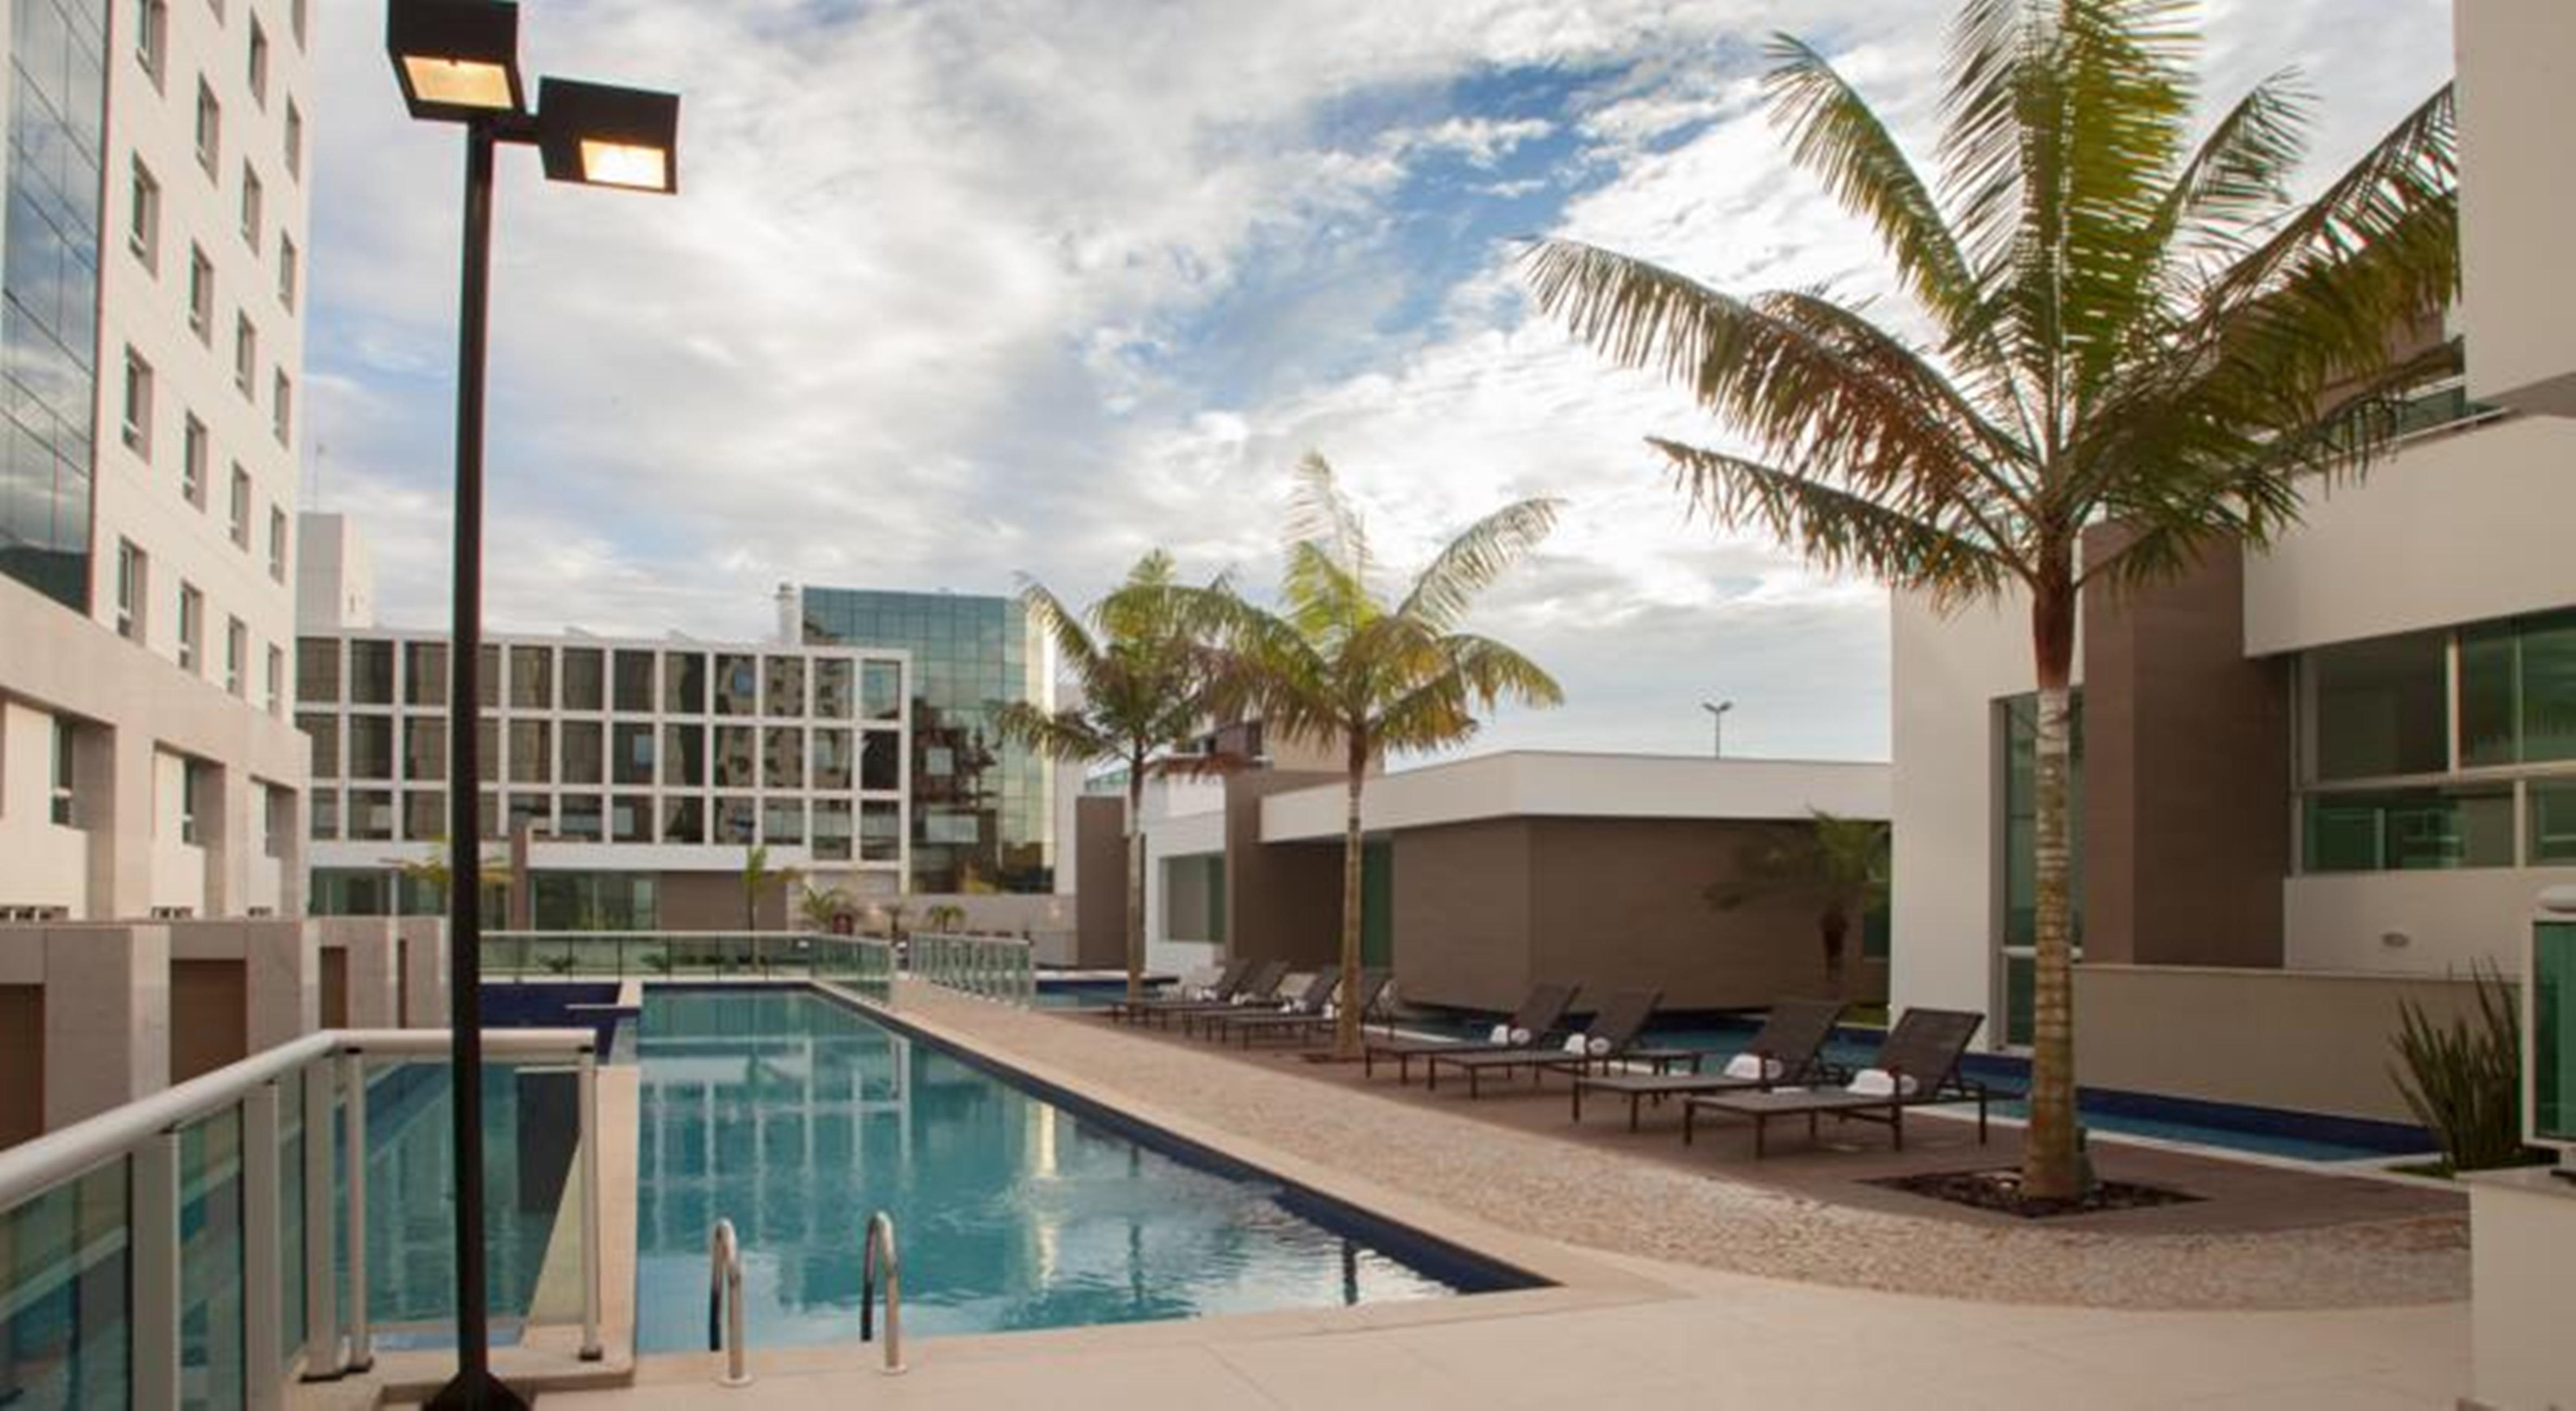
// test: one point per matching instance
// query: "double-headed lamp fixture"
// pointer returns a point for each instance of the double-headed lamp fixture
(458, 61)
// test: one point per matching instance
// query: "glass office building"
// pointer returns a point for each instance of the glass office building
(982, 809)
(49, 293)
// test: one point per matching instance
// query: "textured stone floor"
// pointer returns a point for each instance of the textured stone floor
(1599, 1187)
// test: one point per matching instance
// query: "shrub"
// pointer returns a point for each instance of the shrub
(2463, 1080)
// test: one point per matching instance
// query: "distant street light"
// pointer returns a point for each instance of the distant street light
(458, 61)
(1717, 725)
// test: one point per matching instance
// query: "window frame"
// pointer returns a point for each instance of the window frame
(134, 409)
(209, 130)
(143, 214)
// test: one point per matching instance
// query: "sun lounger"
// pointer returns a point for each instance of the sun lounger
(1262, 990)
(1228, 981)
(1542, 1009)
(1305, 1026)
(1609, 1037)
(1918, 1065)
(1787, 1049)
(1309, 999)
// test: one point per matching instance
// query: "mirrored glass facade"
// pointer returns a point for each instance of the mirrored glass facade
(982, 809)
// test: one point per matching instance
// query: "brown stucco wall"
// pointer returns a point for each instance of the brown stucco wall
(335, 988)
(2305, 1040)
(2186, 775)
(1100, 860)
(22, 1063)
(1283, 900)
(712, 901)
(1483, 910)
(209, 1016)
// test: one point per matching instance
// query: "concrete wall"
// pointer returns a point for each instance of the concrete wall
(1464, 897)
(1283, 900)
(712, 901)
(48, 862)
(2311, 1041)
(106, 1012)
(209, 1016)
(2186, 775)
(2450, 920)
(22, 1063)
(1099, 845)
(2517, 93)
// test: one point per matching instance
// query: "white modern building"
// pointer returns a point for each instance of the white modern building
(158, 170)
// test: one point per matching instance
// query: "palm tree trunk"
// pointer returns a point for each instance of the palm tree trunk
(2051, 1166)
(1346, 1023)
(1135, 878)
(1832, 928)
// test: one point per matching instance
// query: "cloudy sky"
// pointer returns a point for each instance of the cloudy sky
(959, 292)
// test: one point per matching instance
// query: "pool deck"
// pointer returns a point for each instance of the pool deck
(1652, 1296)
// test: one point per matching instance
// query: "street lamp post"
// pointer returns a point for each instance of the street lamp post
(1717, 726)
(457, 61)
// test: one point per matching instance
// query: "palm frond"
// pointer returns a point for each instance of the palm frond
(2240, 173)
(1063, 735)
(1319, 513)
(2125, 98)
(1072, 644)
(1470, 563)
(1837, 530)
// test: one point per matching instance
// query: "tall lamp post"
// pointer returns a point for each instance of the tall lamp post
(458, 62)
(1717, 725)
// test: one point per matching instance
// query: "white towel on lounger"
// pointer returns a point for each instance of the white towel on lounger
(1878, 1082)
(1501, 1034)
(1754, 1068)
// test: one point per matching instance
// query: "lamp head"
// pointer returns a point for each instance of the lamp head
(457, 60)
(601, 135)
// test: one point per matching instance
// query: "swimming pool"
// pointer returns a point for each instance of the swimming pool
(794, 1116)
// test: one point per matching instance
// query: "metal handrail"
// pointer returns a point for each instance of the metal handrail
(881, 1235)
(724, 1304)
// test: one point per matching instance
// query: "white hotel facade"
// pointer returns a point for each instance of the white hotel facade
(151, 350)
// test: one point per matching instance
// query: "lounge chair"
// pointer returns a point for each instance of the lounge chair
(1787, 1049)
(1262, 989)
(1364, 997)
(1918, 1065)
(1310, 998)
(1542, 1009)
(1610, 1037)
(1227, 982)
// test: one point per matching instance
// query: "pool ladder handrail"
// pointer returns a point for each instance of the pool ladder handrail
(880, 1235)
(724, 1304)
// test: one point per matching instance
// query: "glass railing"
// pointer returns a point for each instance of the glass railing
(866, 963)
(192, 1248)
(994, 967)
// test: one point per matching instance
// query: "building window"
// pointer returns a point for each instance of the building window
(532, 678)
(2380, 708)
(371, 815)
(782, 821)
(786, 686)
(783, 758)
(201, 296)
(425, 815)
(317, 671)
(239, 519)
(371, 747)
(254, 206)
(192, 627)
(425, 673)
(323, 729)
(737, 685)
(684, 756)
(684, 820)
(281, 409)
(137, 418)
(290, 270)
(585, 682)
(737, 757)
(193, 455)
(152, 37)
(532, 752)
(684, 683)
(630, 819)
(880, 831)
(258, 69)
(2553, 824)
(294, 139)
(210, 130)
(578, 818)
(582, 760)
(192, 783)
(66, 743)
(245, 355)
(143, 217)
(832, 830)
(634, 754)
(236, 654)
(2410, 830)
(424, 748)
(633, 679)
(276, 680)
(324, 824)
(277, 544)
(133, 590)
(371, 671)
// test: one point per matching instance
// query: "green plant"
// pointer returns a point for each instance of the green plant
(2127, 333)
(1341, 666)
(758, 877)
(2463, 1079)
(1842, 862)
(822, 907)
(558, 964)
(1143, 678)
(943, 918)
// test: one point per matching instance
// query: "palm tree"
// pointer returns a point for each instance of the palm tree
(822, 907)
(2116, 328)
(430, 871)
(1338, 665)
(1142, 677)
(758, 877)
(1841, 860)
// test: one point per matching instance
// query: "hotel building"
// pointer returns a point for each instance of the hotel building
(151, 344)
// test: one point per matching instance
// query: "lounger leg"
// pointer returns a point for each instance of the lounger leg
(1896, 1119)
(1632, 1112)
(1689, 1109)
(1761, 1128)
(1578, 1099)
(1981, 1119)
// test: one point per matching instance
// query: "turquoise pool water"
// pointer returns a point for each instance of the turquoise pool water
(795, 1116)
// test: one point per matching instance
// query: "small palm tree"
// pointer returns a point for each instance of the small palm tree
(2123, 330)
(1143, 681)
(759, 877)
(1340, 666)
(822, 907)
(1841, 861)
(431, 872)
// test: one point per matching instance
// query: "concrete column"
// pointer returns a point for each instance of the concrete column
(224, 831)
(114, 807)
(107, 1018)
(424, 965)
(283, 960)
(286, 828)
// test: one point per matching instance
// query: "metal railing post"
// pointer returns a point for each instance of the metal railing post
(724, 1304)
(591, 1350)
(880, 1235)
(353, 1077)
(321, 1288)
(154, 1207)
(263, 1253)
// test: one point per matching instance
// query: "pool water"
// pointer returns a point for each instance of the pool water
(795, 1116)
